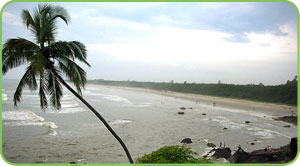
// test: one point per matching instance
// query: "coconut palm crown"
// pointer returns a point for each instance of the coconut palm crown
(46, 58)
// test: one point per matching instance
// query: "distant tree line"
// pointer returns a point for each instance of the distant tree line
(284, 93)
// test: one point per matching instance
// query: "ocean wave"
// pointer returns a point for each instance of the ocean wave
(253, 113)
(50, 125)
(121, 121)
(265, 133)
(26, 118)
(139, 105)
(66, 110)
(116, 98)
(69, 104)
(108, 97)
(52, 132)
(4, 96)
(228, 123)
(21, 115)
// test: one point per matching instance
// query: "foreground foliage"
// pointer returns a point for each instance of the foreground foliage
(172, 154)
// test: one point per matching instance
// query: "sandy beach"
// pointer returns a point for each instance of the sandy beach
(261, 109)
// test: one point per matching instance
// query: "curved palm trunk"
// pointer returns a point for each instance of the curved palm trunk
(99, 116)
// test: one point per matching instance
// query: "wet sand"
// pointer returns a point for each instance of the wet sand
(273, 110)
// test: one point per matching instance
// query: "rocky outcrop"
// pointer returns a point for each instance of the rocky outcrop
(288, 119)
(258, 156)
(180, 113)
(187, 141)
(219, 153)
(211, 145)
(283, 154)
(239, 156)
(293, 146)
(222, 153)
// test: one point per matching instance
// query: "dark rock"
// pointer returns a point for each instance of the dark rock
(180, 113)
(72, 162)
(225, 128)
(293, 146)
(247, 121)
(239, 156)
(288, 119)
(288, 126)
(204, 114)
(255, 140)
(220, 153)
(252, 143)
(191, 108)
(182, 108)
(257, 156)
(211, 145)
(186, 141)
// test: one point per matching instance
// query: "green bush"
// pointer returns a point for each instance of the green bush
(287, 152)
(172, 154)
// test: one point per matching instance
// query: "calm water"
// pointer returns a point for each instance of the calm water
(145, 121)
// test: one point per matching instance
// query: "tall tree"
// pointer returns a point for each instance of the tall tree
(48, 60)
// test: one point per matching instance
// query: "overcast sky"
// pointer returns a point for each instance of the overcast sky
(237, 43)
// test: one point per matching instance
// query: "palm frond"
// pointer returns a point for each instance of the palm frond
(42, 92)
(54, 88)
(27, 79)
(43, 22)
(73, 49)
(16, 52)
(73, 72)
(80, 51)
(27, 19)
(62, 13)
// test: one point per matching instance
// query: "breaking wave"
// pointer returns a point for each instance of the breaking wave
(68, 105)
(26, 118)
(4, 96)
(118, 122)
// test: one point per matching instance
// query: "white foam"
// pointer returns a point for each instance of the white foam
(206, 140)
(21, 115)
(52, 132)
(69, 104)
(116, 98)
(253, 113)
(26, 118)
(140, 105)
(50, 125)
(227, 123)
(265, 133)
(67, 97)
(4, 97)
(122, 121)
(109, 97)
(207, 152)
(67, 110)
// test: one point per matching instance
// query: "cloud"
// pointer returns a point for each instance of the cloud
(11, 19)
(174, 46)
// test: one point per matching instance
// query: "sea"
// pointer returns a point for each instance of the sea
(145, 121)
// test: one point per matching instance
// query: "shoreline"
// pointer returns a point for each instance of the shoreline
(271, 110)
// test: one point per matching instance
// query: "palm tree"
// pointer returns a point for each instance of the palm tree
(48, 60)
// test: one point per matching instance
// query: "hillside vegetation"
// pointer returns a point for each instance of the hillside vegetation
(283, 94)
